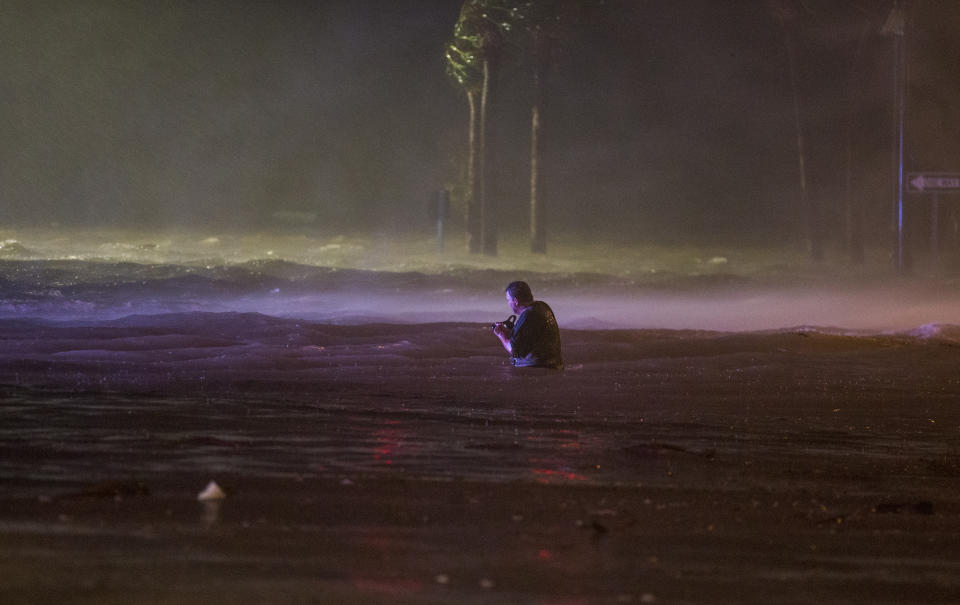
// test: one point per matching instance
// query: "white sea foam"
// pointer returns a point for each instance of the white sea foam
(344, 280)
(935, 331)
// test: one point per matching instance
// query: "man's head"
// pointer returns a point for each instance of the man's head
(519, 296)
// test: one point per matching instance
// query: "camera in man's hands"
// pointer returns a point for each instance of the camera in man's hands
(508, 323)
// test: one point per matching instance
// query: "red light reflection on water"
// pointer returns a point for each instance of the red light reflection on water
(546, 475)
(552, 468)
(384, 450)
(388, 442)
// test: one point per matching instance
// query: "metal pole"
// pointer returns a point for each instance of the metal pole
(935, 230)
(901, 86)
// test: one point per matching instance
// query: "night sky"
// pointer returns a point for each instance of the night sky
(669, 119)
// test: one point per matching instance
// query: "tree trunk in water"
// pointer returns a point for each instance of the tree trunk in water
(488, 209)
(474, 233)
(538, 238)
(854, 205)
(538, 222)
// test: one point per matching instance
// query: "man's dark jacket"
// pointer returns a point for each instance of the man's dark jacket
(536, 338)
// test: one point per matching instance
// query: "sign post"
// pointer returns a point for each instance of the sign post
(933, 183)
(935, 229)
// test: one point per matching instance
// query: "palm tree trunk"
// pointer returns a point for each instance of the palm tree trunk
(538, 223)
(488, 210)
(811, 210)
(474, 234)
(538, 239)
(854, 203)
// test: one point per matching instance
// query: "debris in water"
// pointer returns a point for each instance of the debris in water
(211, 492)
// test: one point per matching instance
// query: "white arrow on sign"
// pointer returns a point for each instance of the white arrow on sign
(936, 182)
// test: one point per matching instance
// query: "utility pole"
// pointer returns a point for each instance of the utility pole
(896, 26)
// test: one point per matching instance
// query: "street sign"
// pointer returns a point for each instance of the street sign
(933, 182)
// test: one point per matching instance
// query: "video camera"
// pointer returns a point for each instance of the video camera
(508, 323)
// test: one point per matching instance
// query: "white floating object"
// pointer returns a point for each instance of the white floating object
(211, 492)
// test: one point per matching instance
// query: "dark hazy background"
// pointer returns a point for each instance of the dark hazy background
(672, 119)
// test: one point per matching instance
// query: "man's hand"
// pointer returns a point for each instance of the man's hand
(503, 333)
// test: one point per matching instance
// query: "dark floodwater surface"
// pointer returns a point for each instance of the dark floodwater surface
(375, 446)
(409, 463)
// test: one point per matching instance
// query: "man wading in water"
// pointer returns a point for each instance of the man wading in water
(534, 341)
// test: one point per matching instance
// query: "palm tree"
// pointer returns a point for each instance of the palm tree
(462, 67)
(540, 50)
(786, 15)
(853, 208)
(480, 37)
(547, 25)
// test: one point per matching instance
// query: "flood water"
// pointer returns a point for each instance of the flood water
(377, 452)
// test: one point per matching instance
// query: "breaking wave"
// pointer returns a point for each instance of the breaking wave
(342, 281)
